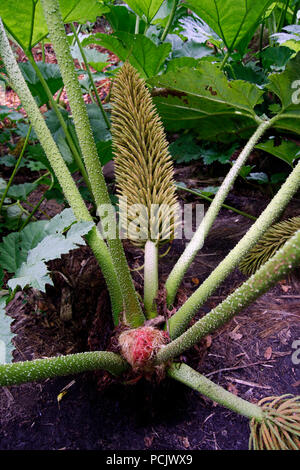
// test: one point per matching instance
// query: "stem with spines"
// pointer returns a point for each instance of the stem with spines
(196, 242)
(150, 278)
(61, 171)
(61, 120)
(41, 369)
(287, 258)
(188, 376)
(133, 313)
(179, 321)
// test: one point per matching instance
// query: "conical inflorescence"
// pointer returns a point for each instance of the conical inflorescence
(272, 240)
(280, 427)
(143, 165)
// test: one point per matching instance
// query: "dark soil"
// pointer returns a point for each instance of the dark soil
(251, 357)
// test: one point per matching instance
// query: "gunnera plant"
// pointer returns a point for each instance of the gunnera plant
(147, 343)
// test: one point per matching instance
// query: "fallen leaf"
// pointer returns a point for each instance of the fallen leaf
(185, 442)
(148, 440)
(232, 388)
(208, 341)
(268, 353)
(234, 335)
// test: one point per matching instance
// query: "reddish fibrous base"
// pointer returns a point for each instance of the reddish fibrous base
(140, 345)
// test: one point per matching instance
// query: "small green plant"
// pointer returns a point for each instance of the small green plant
(145, 177)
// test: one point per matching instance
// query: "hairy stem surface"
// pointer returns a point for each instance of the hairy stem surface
(60, 169)
(133, 312)
(40, 369)
(150, 278)
(197, 241)
(182, 317)
(271, 272)
(201, 384)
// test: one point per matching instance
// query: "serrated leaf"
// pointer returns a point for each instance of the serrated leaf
(123, 19)
(233, 20)
(51, 74)
(138, 49)
(186, 98)
(60, 222)
(92, 55)
(194, 28)
(33, 272)
(287, 151)
(259, 177)
(147, 8)
(33, 275)
(21, 191)
(184, 149)
(6, 336)
(286, 86)
(275, 57)
(26, 23)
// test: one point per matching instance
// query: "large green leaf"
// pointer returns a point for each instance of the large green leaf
(123, 19)
(25, 21)
(51, 75)
(287, 151)
(139, 50)
(6, 336)
(25, 253)
(186, 98)
(34, 272)
(147, 8)
(233, 20)
(19, 191)
(15, 246)
(286, 86)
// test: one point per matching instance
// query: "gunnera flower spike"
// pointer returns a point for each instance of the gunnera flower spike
(280, 427)
(144, 174)
(272, 240)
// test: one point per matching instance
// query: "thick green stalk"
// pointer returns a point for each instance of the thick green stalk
(150, 278)
(170, 20)
(133, 312)
(90, 76)
(15, 168)
(61, 120)
(182, 317)
(287, 258)
(60, 169)
(201, 384)
(196, 242)
(41, 369)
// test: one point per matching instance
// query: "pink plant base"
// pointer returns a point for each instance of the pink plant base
(140, 345)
